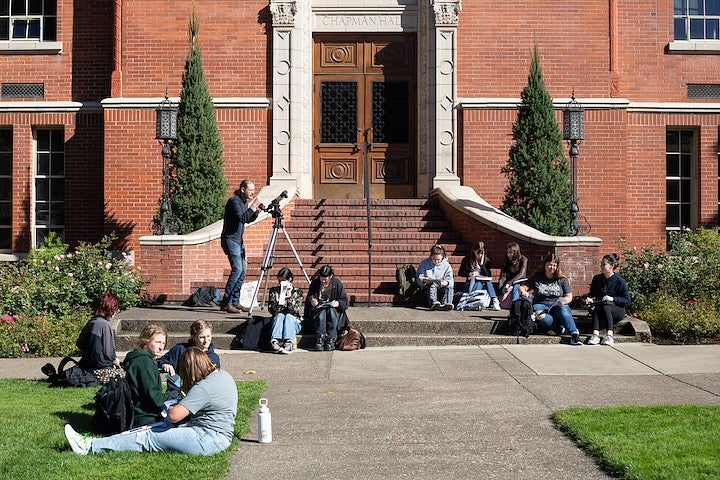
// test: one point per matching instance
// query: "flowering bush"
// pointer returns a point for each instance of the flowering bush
(41, 335)
(53, 288)
(676, 291)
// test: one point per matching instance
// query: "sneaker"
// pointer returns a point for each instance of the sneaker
(436, 305)
(495, 304)
(275, 345)
(329, 345)
(594, 340)
(287, 347)
(319, 344)
(575, 340)
(446, 307)
(80, 444)
(609, 341)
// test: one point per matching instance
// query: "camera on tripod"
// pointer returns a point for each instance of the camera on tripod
(273, 208)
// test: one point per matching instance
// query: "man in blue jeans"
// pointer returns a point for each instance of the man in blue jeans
(238, 212)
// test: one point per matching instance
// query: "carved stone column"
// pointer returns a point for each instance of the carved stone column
(283, 22)
(443, 92)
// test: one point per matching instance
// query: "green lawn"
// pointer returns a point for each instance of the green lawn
(644, 443)
(33, 445)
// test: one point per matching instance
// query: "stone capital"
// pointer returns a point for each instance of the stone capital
(447, 12)
(283, 13)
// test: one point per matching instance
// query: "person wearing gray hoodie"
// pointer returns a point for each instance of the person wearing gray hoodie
(435, 277)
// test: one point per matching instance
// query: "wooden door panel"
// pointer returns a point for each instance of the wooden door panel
(364, 89)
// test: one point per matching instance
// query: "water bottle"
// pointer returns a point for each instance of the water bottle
(264, 422)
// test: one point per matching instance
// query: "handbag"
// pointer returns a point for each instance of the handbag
(506, 300)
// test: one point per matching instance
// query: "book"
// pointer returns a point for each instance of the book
(520, 280)
(482, 278)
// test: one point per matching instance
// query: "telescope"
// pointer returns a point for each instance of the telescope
(274, 205)
(277, 199)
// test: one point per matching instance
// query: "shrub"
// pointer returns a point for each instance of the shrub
(46, 298)
(52, 280)
(41, 335)
(675, 291)
(691, 322)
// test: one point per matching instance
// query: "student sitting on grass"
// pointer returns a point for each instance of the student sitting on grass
(201, 337)
(210, 402)
(143, 376)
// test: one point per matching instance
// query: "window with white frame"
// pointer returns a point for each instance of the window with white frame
(49, 183)
(697, 19)
(5, 189)
(23, 20)
(680, 180)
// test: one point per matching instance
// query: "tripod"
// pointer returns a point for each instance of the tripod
(274, 210)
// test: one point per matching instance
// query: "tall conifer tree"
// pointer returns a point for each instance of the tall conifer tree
(198, 183)
(538, 191)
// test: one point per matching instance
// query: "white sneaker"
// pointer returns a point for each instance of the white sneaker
(609, 341)
(495, 304)
(287, 347)
(80, 444)
(436, 305)
(594, 340)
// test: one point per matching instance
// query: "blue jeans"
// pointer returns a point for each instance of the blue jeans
(556, 318)
(515, 292)
(471, 285)
(182, 439)
(236, 254)
(326, 322)
(437, 293)
(285, 326)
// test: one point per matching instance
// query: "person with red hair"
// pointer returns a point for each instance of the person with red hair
(96, 341)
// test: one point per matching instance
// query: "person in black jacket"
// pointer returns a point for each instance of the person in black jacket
(608, 299)
(240, 209)
(326, 305)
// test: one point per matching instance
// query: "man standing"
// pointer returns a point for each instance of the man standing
(237, 213)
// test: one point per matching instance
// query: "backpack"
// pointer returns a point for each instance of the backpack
(405, 277)
(114, 410)
(74, 376)
(350, 339)
(204, 296)
(520, 321)
(475, 300)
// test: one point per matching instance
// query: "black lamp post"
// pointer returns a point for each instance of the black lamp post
(574, 131)
(166, 132)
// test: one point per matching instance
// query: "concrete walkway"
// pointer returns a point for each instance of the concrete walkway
(445, 412)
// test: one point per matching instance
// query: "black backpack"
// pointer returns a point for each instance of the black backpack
(406, 284)
(74, 376)
(520, 321)
(205, 296)
(114, 411)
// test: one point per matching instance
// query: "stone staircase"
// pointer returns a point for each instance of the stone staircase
(335, 232)
(383, 326)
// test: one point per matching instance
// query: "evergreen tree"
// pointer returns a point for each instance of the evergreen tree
(198, 183)
(538, 191)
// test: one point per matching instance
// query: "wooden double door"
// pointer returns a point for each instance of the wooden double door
(364, 116)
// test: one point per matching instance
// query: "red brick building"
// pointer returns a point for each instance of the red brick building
(295, 82)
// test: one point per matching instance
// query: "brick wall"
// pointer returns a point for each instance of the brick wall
(133, 164)
(578, 262)
(83, 174)
(232, 37)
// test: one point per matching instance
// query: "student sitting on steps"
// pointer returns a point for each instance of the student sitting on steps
(435, 277)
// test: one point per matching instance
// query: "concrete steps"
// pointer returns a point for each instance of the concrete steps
(334, 232)
(383, 326)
